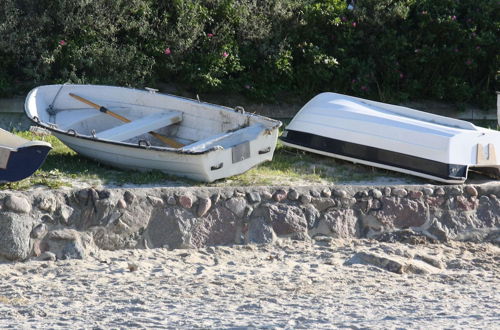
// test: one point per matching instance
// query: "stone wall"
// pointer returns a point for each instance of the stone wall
(66, 224)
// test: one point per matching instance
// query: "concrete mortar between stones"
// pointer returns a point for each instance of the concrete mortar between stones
(68, 224)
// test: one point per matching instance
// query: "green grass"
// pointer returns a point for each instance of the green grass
(64, 167)
(290, 166)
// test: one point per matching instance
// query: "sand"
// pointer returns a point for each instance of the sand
(318, 284)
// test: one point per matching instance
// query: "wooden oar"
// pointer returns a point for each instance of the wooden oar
(164, 139)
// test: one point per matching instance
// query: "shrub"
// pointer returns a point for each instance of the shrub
(228, 45)
(454, 54)
(390, 50)
(76, 41)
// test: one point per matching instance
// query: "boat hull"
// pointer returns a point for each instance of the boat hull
(394, 138)
(20, 162)
(208, 166)
(386, 159)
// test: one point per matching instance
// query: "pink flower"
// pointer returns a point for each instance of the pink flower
(248, 86)
(210, 35)
(353, 81)
(167, 51)
(62, 42)
(354, 24)
(364, 88)
(453, 18)
(225, 54)
(401, 75)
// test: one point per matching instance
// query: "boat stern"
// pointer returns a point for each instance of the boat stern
(19, 164)
(223, 162)
(487, 161)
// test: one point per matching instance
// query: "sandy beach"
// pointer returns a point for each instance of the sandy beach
(320, 284)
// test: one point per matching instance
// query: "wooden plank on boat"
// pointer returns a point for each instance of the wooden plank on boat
(141, 126)
(103, 109)
(481, 159)
(227, 139)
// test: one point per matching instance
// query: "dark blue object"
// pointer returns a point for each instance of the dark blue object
(23, 162)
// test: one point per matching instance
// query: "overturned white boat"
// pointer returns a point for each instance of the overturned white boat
(145, 130)
(394, 138)
(20, 158)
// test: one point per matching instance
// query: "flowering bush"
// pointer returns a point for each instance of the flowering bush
(75, 40)
(457, 56)
(390, 50)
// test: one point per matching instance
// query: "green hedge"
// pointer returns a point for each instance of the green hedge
(390, 50)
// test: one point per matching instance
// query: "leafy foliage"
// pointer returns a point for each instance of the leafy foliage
(383, 49)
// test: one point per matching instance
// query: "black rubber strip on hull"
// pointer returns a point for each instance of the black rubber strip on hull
(450, 172)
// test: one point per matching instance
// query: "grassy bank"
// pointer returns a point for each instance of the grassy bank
(65, 168)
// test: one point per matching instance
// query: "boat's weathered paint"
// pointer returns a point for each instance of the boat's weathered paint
(20, 158)
(393, 137)
(218, 141)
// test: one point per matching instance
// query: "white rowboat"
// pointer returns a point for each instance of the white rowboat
(394, 138)
(154, 131)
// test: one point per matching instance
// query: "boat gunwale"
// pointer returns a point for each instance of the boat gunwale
(125, 144)
(275, 124)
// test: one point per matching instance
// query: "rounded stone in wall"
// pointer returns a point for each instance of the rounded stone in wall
(17, 204)
(169, 228)
(471, 191)
(14, 236)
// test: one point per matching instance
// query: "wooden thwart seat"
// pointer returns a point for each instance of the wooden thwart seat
(141, 126)
(226, 139)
